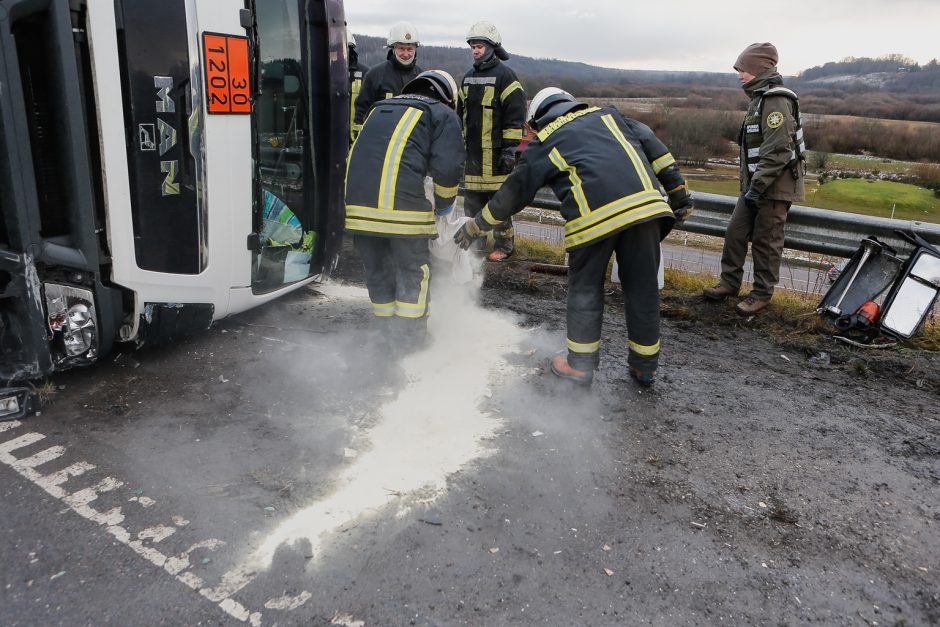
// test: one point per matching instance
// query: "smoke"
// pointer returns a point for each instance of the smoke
(435, 423)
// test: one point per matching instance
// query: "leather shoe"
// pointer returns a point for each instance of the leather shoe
(751, 305)
(645, 379)
(719, 292)
(561, 368)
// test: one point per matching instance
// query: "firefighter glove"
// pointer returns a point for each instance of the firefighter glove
(506, 163)
(682, 213)
(680, 201)
(467, 233)
(751, 199)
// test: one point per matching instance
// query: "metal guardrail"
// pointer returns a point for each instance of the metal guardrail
(836, 233)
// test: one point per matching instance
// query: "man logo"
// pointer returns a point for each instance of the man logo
(145, 136)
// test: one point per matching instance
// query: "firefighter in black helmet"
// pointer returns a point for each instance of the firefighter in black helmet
(491, 106)
(607, 170)
(387, 79)
(356, 72)
(404, 139)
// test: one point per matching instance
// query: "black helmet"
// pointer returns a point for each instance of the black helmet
(436, 83)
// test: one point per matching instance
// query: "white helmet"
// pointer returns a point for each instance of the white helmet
(351, 40)
(485, 31)
(403, 33)
(440, 83)
(544, 99)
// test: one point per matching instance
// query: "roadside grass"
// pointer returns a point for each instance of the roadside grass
(862, 196)
(863, 164)
(537, 251)
(790, 317)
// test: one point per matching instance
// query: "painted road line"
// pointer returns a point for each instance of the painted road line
(79, 502)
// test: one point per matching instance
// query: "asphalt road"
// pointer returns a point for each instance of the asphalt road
(287, 468)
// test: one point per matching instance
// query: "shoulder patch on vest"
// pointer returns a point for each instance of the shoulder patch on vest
(774, 119)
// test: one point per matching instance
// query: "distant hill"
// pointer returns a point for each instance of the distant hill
(891, 87)
(534, 74)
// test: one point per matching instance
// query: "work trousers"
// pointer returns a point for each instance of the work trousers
(764, 229)
(503, 235)
(398, 277)
(637, 250)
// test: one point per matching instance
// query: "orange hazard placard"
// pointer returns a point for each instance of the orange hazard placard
(227, 78)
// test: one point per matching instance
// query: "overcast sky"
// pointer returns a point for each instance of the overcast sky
(671, 34)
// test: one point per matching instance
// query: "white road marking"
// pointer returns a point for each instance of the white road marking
(78, 502)
(288, 602)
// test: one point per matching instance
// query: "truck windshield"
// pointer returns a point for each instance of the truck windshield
(283, 170)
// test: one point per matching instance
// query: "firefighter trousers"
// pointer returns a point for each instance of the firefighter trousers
(398, 277)
(637, 250)
(503, 236)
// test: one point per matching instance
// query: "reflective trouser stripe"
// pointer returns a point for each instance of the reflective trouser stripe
(578, 347)
(420, 308)
(646, 351)
(383, 310)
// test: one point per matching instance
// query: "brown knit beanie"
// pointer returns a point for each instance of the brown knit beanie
(757, 58)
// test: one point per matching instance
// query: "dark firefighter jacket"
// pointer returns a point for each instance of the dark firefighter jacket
(605, 169)
(771, 142)
(356, 72)
(404, 139)
(383, 81)
(492, 107)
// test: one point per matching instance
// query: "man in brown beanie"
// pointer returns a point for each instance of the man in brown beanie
(772, 169)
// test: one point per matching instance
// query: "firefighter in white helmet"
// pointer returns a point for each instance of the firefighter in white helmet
(409, 137)
(356, 72)
(607, 170)
(387, 79)
(491, 107)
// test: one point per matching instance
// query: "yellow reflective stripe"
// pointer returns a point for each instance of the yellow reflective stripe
(367, 226)
(630, 150)
(488, 216)
(513, 86)
(647, 351)
(616, 222)
(576, 185)
(483, 187)
(390, 215)
(383, 310)
(473, 178)
(446, 192)
(486, 144)
(576, 347)
(663, 162)
(512, 133)
(396, 146)
(354, 93)
(557, 123)
(419, 309)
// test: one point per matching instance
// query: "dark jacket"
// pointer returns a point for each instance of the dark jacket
(383, 81)
(605, 168)
(769, 130)
(356, 72)
(492, 107)
(404, 139)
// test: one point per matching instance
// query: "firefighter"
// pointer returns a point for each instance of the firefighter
(404, 139)
(356, 72)
(387, 79)
(606, 169)
(491, 106)
(772, 168)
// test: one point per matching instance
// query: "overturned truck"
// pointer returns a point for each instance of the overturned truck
(162, 165)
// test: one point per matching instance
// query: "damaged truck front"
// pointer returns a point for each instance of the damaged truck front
(162, 165)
